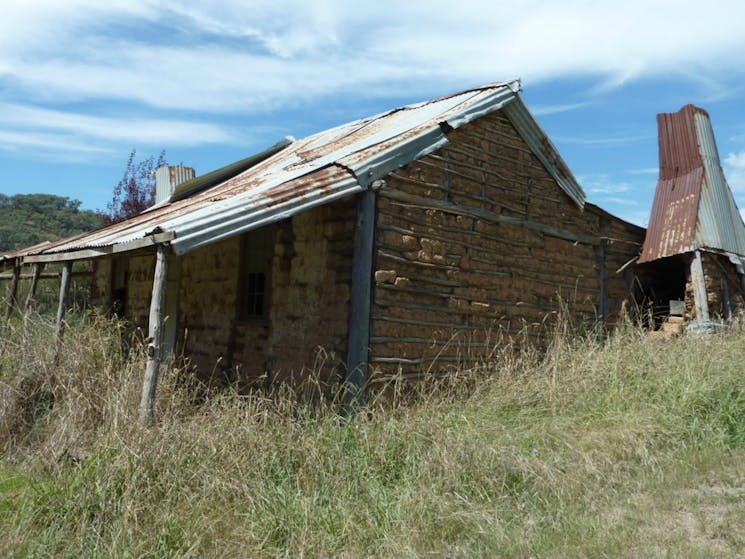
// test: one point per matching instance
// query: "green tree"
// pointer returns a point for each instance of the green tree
(135, 192)
(29, 219)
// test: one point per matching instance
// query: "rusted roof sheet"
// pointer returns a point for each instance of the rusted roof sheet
(693, 206)
(317, 170)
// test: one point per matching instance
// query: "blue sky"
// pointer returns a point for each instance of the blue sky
(82, 82)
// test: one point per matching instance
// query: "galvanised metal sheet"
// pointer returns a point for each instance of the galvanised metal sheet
(720, 223)
(317, 170)
(693, 206)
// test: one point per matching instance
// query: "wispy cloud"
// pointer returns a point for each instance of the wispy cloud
(54, 147)
(73, 136)
(555, 109)
(734, 170)
(645, 171)
(603, 184)
(238, 56)
(153, 131)
(620, 201)
(618, 140)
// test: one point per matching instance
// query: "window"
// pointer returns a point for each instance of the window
(257, 250)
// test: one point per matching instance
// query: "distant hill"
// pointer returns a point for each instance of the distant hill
(29, 219)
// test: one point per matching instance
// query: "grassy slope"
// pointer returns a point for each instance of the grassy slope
(624, 449)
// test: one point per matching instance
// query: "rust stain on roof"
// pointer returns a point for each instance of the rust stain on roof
(693, 207)
(320, 168)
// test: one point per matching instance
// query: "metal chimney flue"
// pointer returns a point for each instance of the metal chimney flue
(168, 177)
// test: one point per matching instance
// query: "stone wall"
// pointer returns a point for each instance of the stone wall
(207, 307)
(721, 277)
(306, 324)
(100, 292)
(475, 244)
(310, 278)
(140, 290)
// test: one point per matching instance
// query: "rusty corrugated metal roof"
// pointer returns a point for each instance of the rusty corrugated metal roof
(693, 206)
(316, 170)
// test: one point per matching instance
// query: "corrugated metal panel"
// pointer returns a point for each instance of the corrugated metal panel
(720, 223)
(693, 206)
(672, 225)
(318, 169)
(168, 177)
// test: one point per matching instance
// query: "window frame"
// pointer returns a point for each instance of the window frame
(262, 241)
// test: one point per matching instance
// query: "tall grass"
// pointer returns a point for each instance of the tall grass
(621, 447)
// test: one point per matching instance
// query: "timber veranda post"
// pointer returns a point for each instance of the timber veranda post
(700, 296)
(64, 290)
(155, 335)
(359, 305)
(38, 267)
(13, 290)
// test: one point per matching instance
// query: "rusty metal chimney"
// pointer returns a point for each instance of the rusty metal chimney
(168, 177)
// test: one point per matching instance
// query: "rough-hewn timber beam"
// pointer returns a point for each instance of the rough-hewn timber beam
(155, 336)
(358, 344)
(32, 288)
(150, 240)
(64, 289)
(449, 207)
(700, 297)
(13, 290)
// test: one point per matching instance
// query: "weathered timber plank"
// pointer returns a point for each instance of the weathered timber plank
(13, 290)
(63, 293)
(360, 301)
(445, 206)
(155, 336)
(34, 283)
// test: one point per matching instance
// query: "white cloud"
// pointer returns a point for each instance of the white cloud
(645, 171)
(539, 110)
(734, 170)
(603, 184)
(148, 131)
(602, 141)
(232, 55)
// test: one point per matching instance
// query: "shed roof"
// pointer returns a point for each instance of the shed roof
(693, 206)
(292, 177)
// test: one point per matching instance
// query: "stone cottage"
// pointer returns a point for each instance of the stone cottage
(400, 244)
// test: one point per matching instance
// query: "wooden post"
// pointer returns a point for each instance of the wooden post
(13, 291)
(38, 267)
(602, 303)
(359, 306)
(155, 335)
(64, 289)
(726, 302)
(700, 297)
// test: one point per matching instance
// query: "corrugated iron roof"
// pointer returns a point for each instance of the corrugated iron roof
(693, 206)
(279, 183)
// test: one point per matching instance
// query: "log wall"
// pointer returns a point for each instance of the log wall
(474, 246)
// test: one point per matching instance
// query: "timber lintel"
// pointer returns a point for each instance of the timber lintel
(85, 254)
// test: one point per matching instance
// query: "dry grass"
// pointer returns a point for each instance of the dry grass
(626, 447)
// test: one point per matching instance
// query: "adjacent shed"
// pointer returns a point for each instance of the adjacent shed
(693, 260)
(402, 244)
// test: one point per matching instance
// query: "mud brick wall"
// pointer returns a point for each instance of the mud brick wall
(140, 290)
(720, 275)
(100, 291)
(311, 278)
(474, 246)
(309, 296)
(622, 241)
(207, 306)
